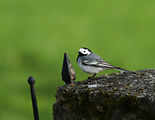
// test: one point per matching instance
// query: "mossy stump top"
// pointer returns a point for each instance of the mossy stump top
(119, 96)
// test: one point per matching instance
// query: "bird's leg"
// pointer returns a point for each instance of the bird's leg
(92, 76)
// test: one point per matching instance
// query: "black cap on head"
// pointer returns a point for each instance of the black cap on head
(83, 52)
(87, 49)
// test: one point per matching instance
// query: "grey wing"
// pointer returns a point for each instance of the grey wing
(97, 61)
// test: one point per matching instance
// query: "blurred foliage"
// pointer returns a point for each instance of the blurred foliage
(34, 34)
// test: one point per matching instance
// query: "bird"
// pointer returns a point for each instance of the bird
(92, 63)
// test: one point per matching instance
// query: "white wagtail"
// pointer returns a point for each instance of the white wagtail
(92, 63)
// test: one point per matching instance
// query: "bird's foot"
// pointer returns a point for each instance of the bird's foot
(89, 77)
(92, 77)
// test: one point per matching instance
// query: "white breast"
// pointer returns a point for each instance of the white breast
(89, 69)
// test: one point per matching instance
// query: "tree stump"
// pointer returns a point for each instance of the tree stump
(119, 96)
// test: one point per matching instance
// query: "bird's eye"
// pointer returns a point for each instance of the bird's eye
(84, 51)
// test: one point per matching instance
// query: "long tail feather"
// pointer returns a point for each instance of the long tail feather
(121, 69)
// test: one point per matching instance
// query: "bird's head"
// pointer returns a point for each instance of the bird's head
(84, 51)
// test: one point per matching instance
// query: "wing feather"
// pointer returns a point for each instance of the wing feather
(97, 63)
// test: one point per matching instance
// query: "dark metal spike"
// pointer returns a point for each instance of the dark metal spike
(31, 81)
(68, 72)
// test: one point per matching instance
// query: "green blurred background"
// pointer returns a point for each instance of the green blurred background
(34, 35)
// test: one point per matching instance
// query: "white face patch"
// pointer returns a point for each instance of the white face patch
(84, 51)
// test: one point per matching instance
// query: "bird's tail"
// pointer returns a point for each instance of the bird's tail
(121, 69)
